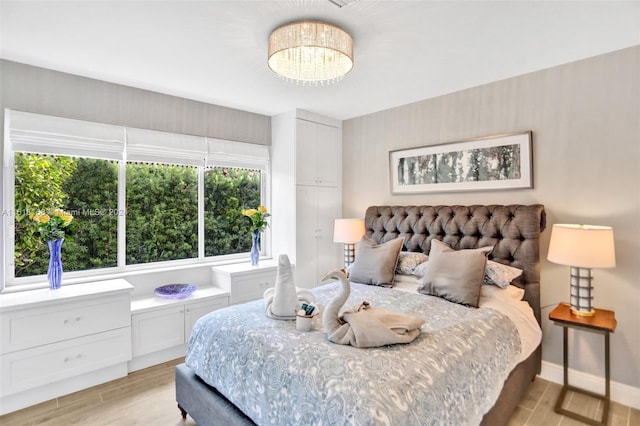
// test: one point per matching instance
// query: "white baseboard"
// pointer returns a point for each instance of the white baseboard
(621, 393)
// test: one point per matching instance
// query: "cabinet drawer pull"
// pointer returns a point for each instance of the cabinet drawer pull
(71, 358)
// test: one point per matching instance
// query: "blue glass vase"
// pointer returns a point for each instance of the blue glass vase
(54, 274)
(255, 248)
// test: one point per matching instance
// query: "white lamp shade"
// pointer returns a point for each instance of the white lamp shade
(348, 230)
(582, 246)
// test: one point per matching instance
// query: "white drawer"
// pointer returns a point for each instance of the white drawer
(44, 365)
(251, 287)
(63, 321)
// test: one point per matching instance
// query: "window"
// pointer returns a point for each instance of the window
(137, 196)
(162, 212)
(84, 187)
(226, 191)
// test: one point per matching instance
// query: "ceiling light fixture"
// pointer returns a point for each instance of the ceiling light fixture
(310, 52)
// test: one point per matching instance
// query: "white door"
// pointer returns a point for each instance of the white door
(157, 330)
(328, 211)
(306, 153)
(307, 232)
(327, 155)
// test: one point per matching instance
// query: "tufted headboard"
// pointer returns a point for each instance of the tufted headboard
(513, 231)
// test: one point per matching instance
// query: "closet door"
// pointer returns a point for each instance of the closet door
(317, 154)
(307, 231)
(306, 153)
(327, 155)
(328, 211)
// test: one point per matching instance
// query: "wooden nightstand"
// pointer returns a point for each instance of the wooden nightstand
(602, 322)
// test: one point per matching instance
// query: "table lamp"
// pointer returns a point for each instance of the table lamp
(582, 247)
(349, 232)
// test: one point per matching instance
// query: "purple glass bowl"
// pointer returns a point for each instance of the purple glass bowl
(175, 291)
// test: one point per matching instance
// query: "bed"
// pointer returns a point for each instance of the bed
(243, 368)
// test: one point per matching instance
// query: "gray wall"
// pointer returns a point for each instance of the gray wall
(39, 90)
(585, 118)
(32, 89)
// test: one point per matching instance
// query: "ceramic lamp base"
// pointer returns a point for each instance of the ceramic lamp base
(349, 254)
(581, 292)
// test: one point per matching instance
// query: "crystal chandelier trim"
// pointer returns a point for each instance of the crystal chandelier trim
(310, 52)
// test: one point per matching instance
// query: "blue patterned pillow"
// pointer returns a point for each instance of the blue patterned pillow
(408, 261)
(500, 274)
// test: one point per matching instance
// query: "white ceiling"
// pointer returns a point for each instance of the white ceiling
(215, 51)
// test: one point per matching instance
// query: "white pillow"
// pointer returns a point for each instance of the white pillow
(509, 293)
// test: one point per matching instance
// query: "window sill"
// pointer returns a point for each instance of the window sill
(40, 282)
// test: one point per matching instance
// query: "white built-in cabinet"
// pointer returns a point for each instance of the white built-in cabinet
(160, 328)
(243, 281)
(306, 192)
(317, 153)
(317, 207)
(55, 342)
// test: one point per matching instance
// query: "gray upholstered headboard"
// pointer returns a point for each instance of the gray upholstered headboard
(513, 230)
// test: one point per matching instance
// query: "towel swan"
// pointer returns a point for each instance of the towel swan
(365, 327)
(284, 299)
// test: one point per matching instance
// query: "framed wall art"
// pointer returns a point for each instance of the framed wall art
(488, 163)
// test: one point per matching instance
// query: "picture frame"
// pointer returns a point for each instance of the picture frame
(497, 162)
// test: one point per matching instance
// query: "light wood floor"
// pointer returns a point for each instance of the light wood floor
(147, 397)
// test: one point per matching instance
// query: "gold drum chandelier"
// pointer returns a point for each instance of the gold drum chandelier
(310, 52)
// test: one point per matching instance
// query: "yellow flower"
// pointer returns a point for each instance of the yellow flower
(250, 212)
(67, 218)
(54, 227)
(41, 217)
(258, 217)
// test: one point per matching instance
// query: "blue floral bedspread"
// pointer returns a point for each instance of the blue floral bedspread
(450, 375)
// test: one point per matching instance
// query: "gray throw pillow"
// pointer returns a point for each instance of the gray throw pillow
(454, 275)
(375, 263)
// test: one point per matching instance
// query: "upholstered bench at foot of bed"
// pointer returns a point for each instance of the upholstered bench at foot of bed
(203, 403)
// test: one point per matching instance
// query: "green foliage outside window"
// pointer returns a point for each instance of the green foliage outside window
(227, 192)
(93, 199)
(161, 211)
(39, 181)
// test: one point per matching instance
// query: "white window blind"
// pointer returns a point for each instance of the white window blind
(237, 154)
(163, 147)
(45, 134)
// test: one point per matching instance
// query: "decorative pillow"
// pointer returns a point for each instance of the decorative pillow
(500, 274)
(375, 263)
(454, 275)
(408, 261)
